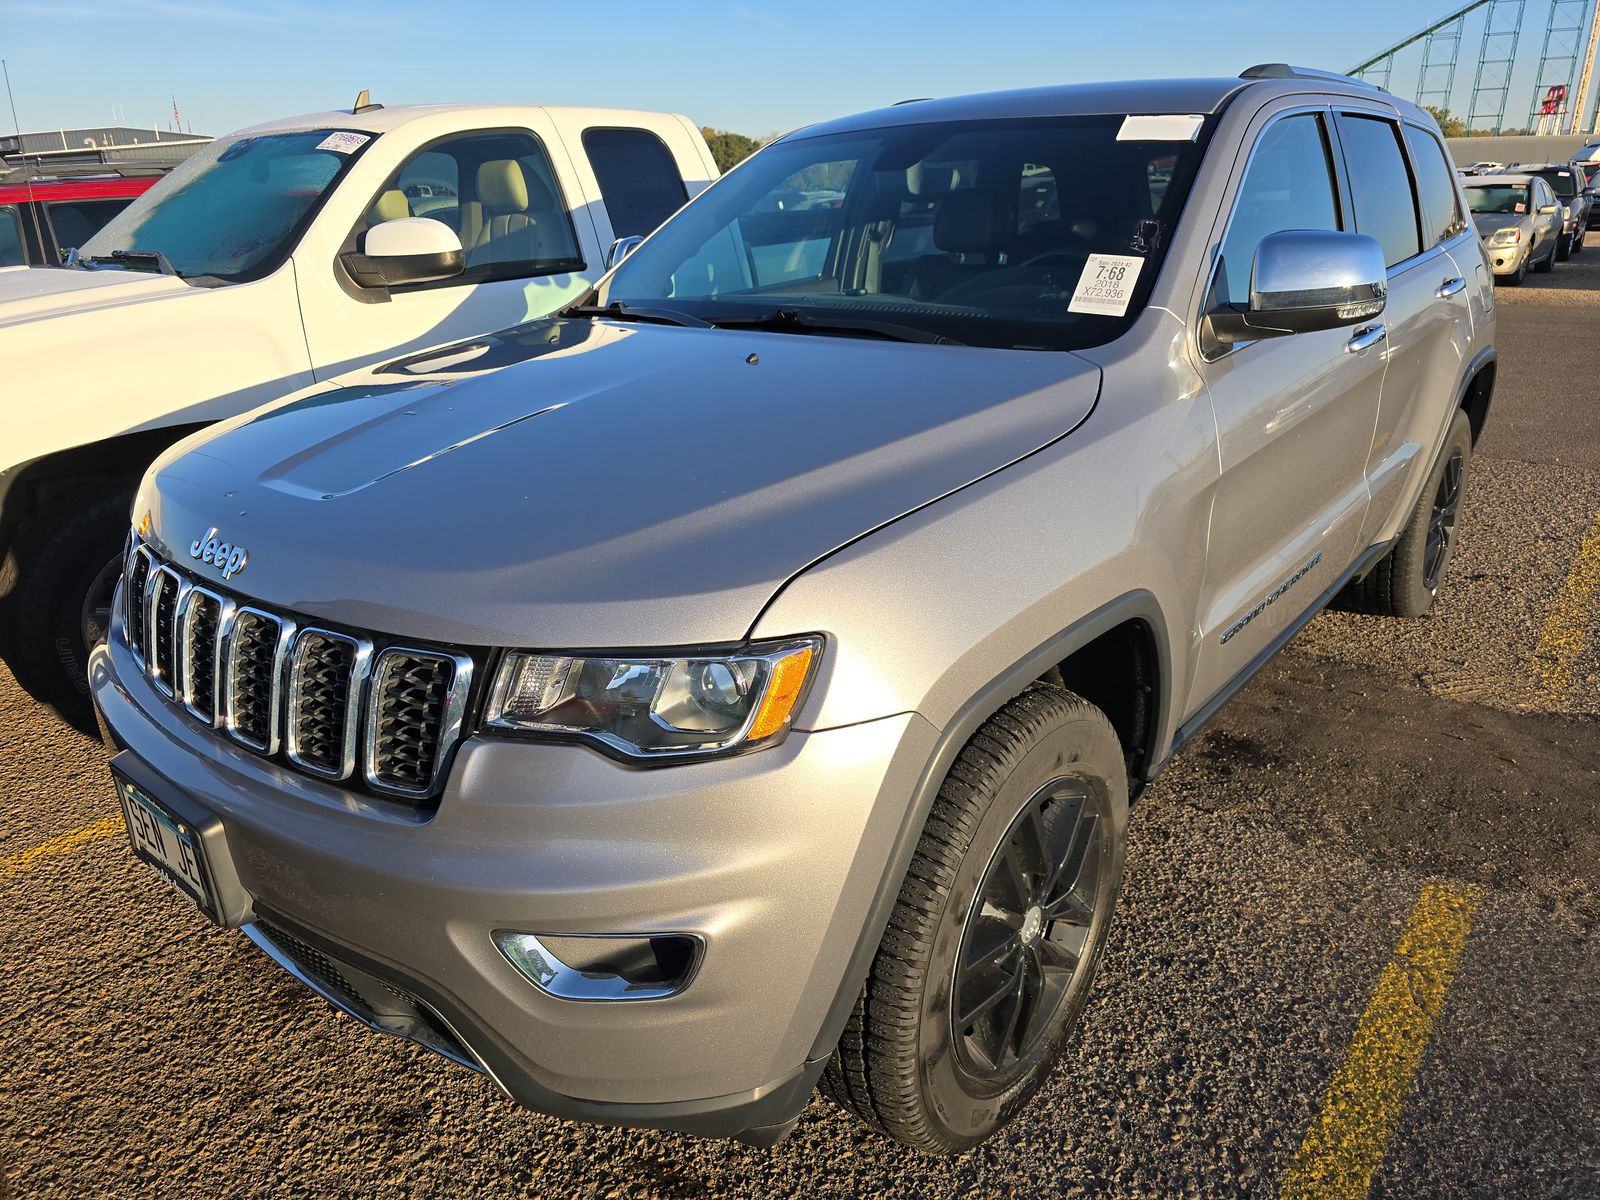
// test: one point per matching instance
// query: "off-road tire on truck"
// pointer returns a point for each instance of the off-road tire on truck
(1010, 893)
(61, 556)
(1406, 581)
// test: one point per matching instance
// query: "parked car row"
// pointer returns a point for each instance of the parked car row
(736, 681)
(1532, 215)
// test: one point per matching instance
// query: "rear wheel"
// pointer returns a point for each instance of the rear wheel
(56, 585)
(1407, 580)
(990, 952)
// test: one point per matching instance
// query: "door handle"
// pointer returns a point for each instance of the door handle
(1367, 338)
(1450, 287)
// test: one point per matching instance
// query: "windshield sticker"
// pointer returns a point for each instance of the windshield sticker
(344, 143)
(1163, 128)
(1522, 208)
(1106, 285)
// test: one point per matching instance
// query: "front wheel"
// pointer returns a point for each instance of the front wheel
(56, 585)
(993, 945)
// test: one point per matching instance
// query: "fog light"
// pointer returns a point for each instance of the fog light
(603, 966)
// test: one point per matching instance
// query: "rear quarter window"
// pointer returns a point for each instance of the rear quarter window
(638, 177)
(1436, 187)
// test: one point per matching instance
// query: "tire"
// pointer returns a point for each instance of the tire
(61, 556)
(1549, 263)
(1406, 581)
(1563, 248)
(1515, 279)
(906, 1064)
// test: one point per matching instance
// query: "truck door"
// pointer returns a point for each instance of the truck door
(1294, 418)
(529, 250)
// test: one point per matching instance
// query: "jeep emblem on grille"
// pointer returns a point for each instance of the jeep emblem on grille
(225, 556)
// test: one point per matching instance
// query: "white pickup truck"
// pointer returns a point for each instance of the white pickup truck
(273, 261)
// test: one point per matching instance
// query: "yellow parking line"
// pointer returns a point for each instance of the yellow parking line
(1351, 1133)
(1561, 640)
(26, 860)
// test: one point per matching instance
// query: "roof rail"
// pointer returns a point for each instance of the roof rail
(1286, 71)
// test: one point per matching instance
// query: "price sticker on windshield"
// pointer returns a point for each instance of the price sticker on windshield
(343, 143)
(1106, 285)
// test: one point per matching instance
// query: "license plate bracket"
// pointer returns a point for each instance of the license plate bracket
(181, 840)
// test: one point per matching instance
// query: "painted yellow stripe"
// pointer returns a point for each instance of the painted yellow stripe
(1351, 1133)
(26, 860)
(1561, 640)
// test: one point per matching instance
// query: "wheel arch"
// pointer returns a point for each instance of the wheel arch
(1133, 620)
(31, 487)
(1477, 390)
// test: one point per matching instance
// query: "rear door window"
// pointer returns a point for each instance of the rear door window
(1385, 206)
(11, 254)
(1289, 184)
(1436, 187)
(639, 180)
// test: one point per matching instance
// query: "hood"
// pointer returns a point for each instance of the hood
(27, 293)
(585, 484)
(1487, 223)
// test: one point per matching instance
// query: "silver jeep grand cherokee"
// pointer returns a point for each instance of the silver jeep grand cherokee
(737, 683)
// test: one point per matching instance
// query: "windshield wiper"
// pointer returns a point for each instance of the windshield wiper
(790, 320)
(618, 311)
(131, 260)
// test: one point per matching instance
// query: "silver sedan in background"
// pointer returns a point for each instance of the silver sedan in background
(1519, 220)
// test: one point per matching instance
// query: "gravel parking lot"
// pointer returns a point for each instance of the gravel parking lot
(1272, 873)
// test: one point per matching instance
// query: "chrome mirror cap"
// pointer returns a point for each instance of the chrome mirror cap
(1304, 280)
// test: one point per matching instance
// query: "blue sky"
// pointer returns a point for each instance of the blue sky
(754, 68)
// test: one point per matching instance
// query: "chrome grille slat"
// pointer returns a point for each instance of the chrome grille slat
(330, 703)
(252, 683)
(164, 597)
(417, 701)
(202, 623)
(134, 589)
(327, 673)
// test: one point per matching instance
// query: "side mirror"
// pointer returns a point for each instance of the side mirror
(1304, 280)
(621, 248)
(1550, 208)
(406, 250)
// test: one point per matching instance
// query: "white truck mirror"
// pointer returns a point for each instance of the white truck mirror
(406, 250)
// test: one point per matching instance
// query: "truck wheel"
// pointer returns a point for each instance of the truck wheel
(991, 949)
(1406, 581)
(56, 584)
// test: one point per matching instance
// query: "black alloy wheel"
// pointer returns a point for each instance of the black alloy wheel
(1023, 945)
(1442, 524)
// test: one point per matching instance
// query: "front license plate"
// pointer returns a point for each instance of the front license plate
(166, 843)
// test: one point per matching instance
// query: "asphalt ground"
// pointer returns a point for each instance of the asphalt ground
(1358, 951)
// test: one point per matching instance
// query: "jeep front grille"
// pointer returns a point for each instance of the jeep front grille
(332, 703)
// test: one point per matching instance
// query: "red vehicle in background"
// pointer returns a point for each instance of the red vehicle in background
(44, 217)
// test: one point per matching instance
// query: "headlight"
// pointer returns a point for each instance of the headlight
(654, 707)
(1505, 237)
(1566, 212)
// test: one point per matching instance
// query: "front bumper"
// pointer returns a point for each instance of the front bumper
(773, 859)
(1505, 260)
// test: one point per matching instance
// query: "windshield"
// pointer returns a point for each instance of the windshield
(233, 210)
(1564, 181)
(1498, 198)
(1029, 234)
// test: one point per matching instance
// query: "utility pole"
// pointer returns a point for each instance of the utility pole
(1580, 110)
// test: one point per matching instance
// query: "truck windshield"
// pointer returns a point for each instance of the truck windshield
(1039, 233)
(231, 212)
